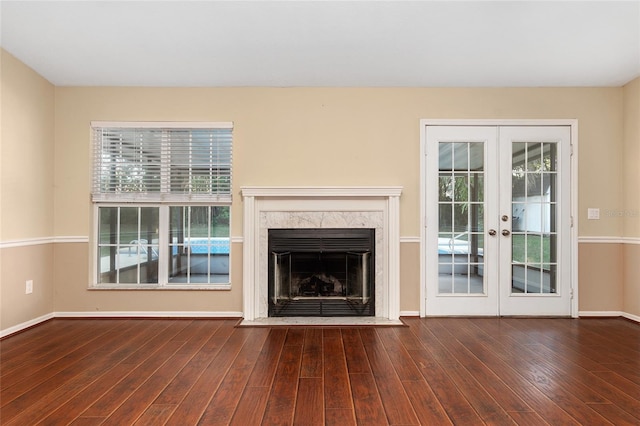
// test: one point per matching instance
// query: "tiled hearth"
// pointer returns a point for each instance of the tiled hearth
(321, 207)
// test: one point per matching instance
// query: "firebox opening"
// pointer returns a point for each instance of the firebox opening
(321, 272)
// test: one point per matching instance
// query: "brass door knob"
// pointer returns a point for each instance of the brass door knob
(506, 232)
(492, 232)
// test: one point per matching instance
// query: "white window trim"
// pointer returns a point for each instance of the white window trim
(163, 279)
(163, 283)
(165, 124)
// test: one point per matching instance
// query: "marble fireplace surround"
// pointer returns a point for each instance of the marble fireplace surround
(321, 207)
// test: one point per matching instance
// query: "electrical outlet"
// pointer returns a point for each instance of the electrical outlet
(29, 288)
(593, 214)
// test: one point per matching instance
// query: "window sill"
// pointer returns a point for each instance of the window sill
(160, 287)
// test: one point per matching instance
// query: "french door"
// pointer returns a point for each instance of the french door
(498, 220)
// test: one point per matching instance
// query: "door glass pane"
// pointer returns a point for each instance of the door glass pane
(534, 232)
(461, 218)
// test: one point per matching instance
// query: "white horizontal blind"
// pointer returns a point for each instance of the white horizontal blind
(161, 164)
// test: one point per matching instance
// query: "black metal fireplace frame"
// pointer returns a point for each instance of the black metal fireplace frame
(322, 240)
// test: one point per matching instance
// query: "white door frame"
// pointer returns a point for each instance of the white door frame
(572, 123)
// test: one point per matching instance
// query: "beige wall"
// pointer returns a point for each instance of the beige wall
(631, 150)
(334, 136)
(26, 192)
(337, 136)
(600, 277)
(287, 136)
(27, 152)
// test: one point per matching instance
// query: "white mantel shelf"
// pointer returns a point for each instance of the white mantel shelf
(321, 191)
(381, 204)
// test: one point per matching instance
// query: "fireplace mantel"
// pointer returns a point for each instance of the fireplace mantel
(325, 206)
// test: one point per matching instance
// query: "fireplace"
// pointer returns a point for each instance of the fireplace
(335, 209)
(321, 272)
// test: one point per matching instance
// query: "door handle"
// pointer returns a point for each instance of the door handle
(492, 232)
(506, 232)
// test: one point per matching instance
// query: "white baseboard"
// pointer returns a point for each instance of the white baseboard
(149, 314)
(600, 313)
(119, 314)
(231, 314)
(25, 325)
(635, 318)
(626, 315)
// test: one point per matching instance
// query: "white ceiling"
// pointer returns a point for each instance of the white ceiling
(326, 43)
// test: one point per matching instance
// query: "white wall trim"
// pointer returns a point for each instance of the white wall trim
(25, 325)
(26, 242)
(608, 240)
(240, 239)
(410, 240)
(409, 313)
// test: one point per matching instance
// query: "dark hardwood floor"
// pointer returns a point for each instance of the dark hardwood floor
(434, 371)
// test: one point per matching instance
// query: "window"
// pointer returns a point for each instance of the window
(162, 197)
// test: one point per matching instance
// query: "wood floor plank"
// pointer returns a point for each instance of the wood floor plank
(68, 379)
(312, 353)
(176, 391)
(339, 417)
(457, 341)
(615, 414)
(527, 371)
(295, 336)
(115, 396)
(426, 405)
(50, 346)
(282, 400)
(544, 406)
(394, 399)
(398, 355)
(487, 408)
(527, 418)
(354, 352)
(366, 400)
(265, 370)
(337, 392)
(223, 404)
(251, 406)
(458, 409)
(309, 402)
(73, 408)
(133, 407)
(156, 414)
(64, 353)
(197, 399)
